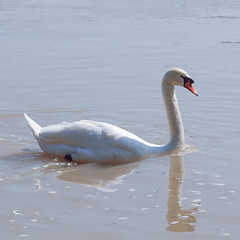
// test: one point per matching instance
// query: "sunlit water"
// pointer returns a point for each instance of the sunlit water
(104, 60)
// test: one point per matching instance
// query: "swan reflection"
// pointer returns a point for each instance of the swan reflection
(179, 220)
(105, 176)
(100, 176)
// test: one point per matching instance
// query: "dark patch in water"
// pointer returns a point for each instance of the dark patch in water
(230, 42)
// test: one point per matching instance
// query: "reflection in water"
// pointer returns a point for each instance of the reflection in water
(103, 176)
(179, 220)
(100, 176)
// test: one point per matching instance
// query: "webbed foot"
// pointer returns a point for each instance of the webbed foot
(68, 158)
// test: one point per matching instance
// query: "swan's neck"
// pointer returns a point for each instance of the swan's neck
(174, 118)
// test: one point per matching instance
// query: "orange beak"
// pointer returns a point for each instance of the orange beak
(190, 87)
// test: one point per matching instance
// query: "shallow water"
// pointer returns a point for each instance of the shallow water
(65, 61)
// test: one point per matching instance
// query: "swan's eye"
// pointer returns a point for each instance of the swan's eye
(187, 79)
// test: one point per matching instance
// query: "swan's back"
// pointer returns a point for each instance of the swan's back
(85, 133)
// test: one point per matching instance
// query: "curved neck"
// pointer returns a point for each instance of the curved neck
(174, 118)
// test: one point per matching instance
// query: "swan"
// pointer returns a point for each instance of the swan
(91, 141)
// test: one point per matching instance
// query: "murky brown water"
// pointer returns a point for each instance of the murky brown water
(66, 61)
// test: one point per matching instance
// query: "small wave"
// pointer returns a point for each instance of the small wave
(231, 42)
(225, 17)
(187, 149)
(57, 165)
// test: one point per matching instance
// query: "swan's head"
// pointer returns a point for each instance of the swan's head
(179, 77)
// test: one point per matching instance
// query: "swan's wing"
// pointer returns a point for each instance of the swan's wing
(122, 139)
(89, 134)
(73, 134)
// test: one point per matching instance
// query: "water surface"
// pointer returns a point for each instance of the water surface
(66, 61)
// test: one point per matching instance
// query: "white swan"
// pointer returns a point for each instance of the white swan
(90, 141)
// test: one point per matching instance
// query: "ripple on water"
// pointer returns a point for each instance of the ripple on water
(187, 149)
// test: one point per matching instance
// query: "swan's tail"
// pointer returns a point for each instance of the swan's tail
(35, 128)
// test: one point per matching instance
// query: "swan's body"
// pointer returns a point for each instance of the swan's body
(90, 141)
